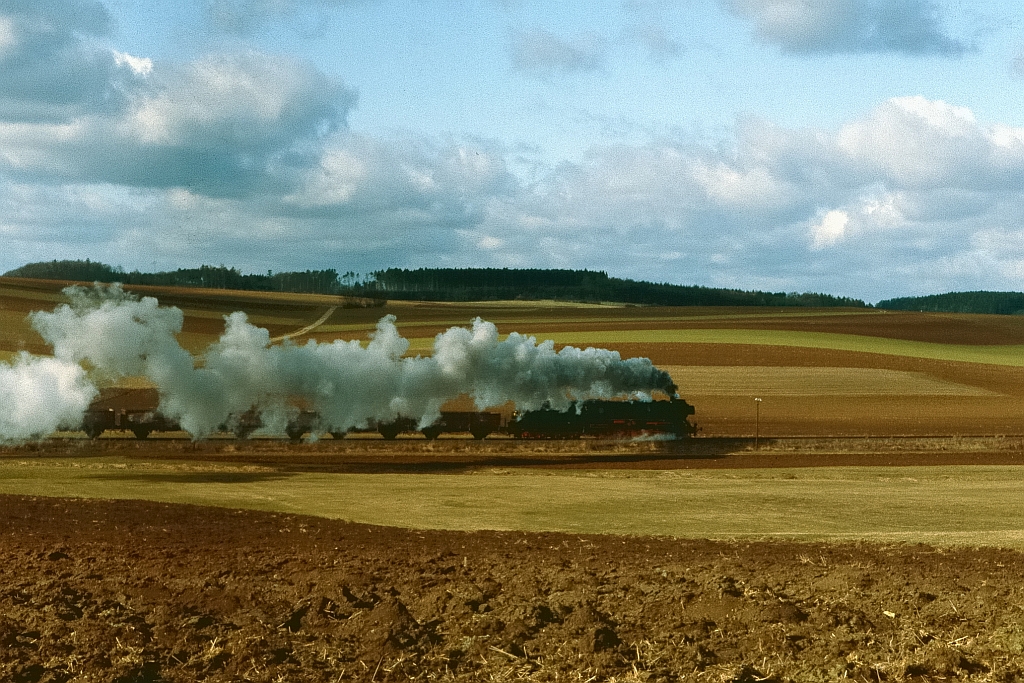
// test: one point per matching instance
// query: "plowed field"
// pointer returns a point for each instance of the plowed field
(134, 591)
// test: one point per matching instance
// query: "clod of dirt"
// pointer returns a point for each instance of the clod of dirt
(940, 660)
(784, 613)
(294, 621)
(596, 630)
(8, 633)
(389, 627)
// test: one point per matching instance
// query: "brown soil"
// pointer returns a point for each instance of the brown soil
(139, 591)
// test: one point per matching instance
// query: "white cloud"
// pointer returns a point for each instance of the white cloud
(831, 229)
(53, 66)
(490, 243)
(225, 124)
(431, 183)
(847, 26)
(246, 17)
(885, 210)
(872, 216)
(242, 100)
(924, 143)
(538, 52)
(8, 36)
(246, 159)
(141, 66)
(908, 184)
(727, 185)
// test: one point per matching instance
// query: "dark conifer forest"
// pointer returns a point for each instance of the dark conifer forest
(1000, 303)
(438, 284)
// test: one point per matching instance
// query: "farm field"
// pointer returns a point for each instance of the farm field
(129, 590)
(873, 531)
(676, 496)
(819, 372)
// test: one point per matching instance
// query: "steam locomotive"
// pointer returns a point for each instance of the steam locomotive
(135, 410)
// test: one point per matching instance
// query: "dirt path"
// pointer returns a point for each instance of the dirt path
(136, 591)
(308, 328)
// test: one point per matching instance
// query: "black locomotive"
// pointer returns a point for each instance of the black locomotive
(606, 419)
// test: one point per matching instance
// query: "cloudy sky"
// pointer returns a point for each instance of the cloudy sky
(866, 148)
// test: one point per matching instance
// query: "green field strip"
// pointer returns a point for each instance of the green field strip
(944, 505)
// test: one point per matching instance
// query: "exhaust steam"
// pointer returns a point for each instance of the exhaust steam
(105, 333)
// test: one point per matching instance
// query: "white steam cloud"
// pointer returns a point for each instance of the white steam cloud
(40, 395)
(117, 335)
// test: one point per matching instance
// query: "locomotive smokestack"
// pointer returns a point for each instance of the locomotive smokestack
(346, 383)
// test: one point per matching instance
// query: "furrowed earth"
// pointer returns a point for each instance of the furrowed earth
(99, 585)
(140, 591)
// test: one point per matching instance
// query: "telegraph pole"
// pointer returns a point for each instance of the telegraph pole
(757, 423)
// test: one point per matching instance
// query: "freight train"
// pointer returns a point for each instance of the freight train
(135, 410)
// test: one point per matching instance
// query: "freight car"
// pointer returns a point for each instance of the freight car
(479, 424)
(125, 409)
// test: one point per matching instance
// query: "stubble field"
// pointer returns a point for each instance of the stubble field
(877, 432)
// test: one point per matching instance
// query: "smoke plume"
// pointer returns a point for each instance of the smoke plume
(115, 334)
(40, 395)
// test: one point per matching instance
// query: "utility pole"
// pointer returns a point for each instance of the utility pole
(757, 423)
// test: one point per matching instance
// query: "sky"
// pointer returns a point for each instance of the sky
(862, 148)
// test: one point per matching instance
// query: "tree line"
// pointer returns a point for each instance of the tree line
(439, 284)
(206, 277)
(998, 303)
(486, 284)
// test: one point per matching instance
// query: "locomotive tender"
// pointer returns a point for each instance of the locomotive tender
(135, 410)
